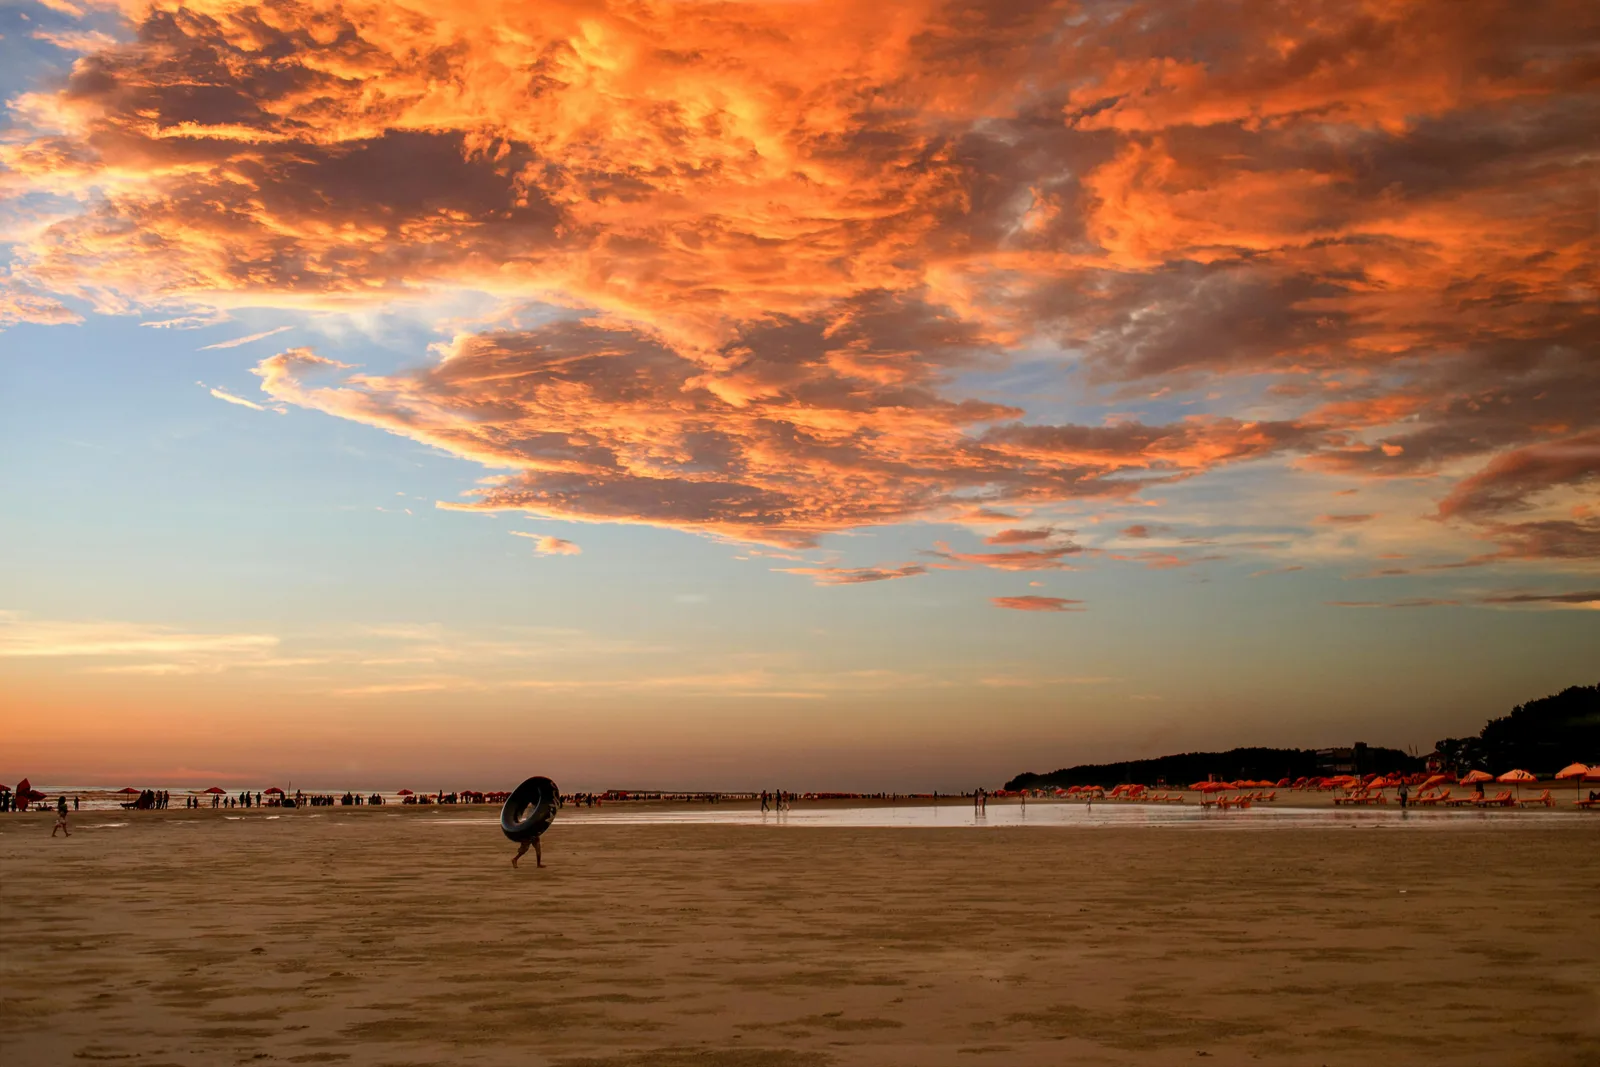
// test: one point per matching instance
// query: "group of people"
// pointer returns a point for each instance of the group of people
(777, 800)
(10, 801)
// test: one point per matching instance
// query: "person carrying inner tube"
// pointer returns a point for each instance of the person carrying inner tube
(527, 814)
(522, 850)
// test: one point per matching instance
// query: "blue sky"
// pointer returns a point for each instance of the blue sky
(845, 504)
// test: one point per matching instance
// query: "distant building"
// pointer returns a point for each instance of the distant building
(1351, 760)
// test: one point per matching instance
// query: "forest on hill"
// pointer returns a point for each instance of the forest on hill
(1540, 736)
(1236, 763)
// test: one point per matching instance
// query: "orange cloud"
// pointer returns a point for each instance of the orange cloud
(1038, 559)
(1036, 603)
(783, 238)
(1019, 537)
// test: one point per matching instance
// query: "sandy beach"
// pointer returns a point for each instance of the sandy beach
(404, 937)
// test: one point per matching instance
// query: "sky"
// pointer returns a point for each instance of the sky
(799, 394)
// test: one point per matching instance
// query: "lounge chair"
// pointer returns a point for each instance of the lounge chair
(1543, 798)
(1433, 798)
(1502, 799)
(1588, 802)
(1470, 798)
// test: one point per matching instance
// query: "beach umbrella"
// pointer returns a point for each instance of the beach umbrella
(130, 790)
(1201, 787)
(405, 793)
(1434, 780)
(1474, 777)
(273, 790)
(1571, 770)
(218, 790)
(1517, 778)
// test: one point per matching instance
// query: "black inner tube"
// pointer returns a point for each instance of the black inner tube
(529, 810)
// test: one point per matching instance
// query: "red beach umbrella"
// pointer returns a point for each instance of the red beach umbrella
(1474, 777)
(274, 790)
(217, 789)
(130, 790)
(1202, 787)
(405, 793)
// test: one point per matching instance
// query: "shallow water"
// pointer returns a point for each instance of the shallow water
(1047, 815)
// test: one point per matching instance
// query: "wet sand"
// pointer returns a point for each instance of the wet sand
(388, 938)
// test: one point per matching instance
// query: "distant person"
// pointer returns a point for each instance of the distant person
(764, 801)
(61, 817)
(74, 803)
(1404, 794)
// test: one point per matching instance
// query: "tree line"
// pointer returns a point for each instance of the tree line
(1541, 736)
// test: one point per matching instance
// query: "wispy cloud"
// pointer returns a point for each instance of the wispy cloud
(224, 395)
(76, 40)
(856, 575)
(546, 545)
(1037, 603)
(24, 637)
(1583, 598)
(237, 341)
(1026, 559)
(1413, 602)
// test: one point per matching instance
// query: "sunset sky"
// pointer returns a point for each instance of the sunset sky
(803, 394)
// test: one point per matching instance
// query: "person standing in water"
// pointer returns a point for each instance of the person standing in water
(61, 817)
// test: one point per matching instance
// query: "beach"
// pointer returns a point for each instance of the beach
(382, 936)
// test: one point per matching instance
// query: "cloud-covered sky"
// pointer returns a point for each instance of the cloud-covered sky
(1019, 302)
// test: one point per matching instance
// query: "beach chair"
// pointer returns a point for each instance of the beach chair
(1433, 799)
(1502, 799)
(1587, 803)
(1271, 796)
(1543, 798)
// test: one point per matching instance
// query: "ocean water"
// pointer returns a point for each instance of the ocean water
(1047, 815)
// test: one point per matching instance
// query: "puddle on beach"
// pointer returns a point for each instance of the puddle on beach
(1047, 815)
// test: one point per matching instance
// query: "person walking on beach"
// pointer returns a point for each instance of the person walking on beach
(522, 850)
(763, 801)
(61, 817)
(1404, 795)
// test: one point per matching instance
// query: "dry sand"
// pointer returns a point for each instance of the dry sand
(376, 937)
